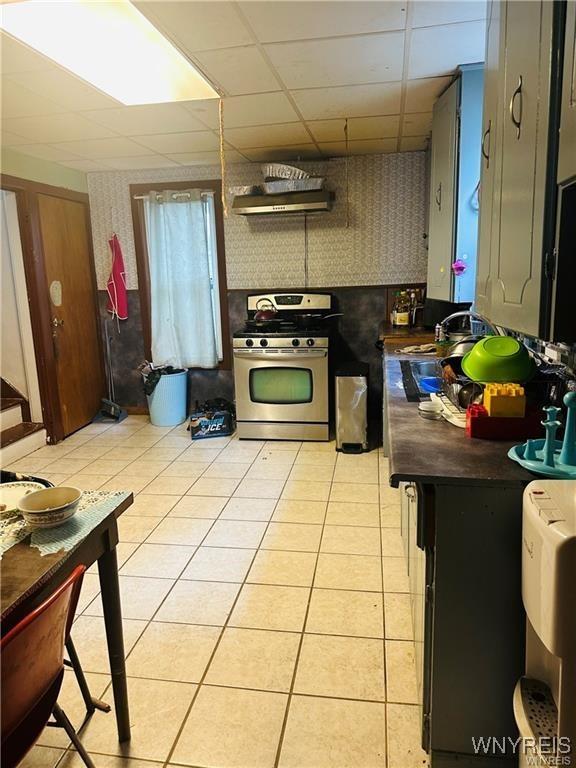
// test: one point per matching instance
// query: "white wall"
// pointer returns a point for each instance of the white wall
(18, 362)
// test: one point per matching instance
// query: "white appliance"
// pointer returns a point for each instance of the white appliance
(545, 698)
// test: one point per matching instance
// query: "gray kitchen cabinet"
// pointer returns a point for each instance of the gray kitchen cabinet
(489, 192)
(567, 148)
(416, 567)
(513, 182)
(442, 194)
(454, 179)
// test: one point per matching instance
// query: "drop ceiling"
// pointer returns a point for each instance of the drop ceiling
(291, 74)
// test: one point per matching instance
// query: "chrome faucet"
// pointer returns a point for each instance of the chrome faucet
(473, 316)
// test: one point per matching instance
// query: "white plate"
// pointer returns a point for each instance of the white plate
(11, 493)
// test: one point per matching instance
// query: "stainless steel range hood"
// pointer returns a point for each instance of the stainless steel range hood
(292, 202)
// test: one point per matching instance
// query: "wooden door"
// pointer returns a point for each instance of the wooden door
(442, 194)
(523, 141)
(71, 293)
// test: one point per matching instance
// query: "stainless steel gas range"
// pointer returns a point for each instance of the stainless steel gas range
(281, 367)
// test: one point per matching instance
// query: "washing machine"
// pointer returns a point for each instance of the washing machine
(545, 697)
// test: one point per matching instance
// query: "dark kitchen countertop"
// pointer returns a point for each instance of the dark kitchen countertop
(427, 451)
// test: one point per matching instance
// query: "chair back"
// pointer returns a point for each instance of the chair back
(32, 662)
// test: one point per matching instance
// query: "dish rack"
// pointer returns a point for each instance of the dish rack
(282, 171)
(450, 412)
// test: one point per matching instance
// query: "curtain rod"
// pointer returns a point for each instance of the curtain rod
(174, 195)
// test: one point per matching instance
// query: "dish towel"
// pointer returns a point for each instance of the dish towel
(116, 285)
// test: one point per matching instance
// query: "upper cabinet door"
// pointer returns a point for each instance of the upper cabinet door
(442, 194)
(517, 270)
(489, 197)
(567, 151)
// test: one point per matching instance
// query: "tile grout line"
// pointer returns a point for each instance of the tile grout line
(303, 632)
(217, 644)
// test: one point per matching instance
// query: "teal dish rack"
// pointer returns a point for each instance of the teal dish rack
(548, 456)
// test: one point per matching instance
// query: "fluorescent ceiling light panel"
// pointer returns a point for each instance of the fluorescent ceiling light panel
(111, 45)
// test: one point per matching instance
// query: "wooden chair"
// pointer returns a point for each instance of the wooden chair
(32, 659)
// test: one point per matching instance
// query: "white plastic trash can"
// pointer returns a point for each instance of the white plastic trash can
(167, 404)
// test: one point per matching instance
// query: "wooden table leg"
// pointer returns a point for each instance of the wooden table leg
(108, 572)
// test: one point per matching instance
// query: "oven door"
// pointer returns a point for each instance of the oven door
(281, 385)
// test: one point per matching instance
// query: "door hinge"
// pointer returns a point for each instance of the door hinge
(429, 594)
(550, 264)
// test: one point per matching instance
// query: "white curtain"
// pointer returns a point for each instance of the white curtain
(181, 255)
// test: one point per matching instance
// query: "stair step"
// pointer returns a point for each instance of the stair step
(19, 441)
(10, 412)
(18, 432)
(9, 402)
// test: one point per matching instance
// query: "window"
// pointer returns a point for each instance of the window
(179, 236)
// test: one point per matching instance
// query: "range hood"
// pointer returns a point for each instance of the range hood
(291, 202)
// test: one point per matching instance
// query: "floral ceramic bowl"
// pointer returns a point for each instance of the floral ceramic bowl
(50, 507)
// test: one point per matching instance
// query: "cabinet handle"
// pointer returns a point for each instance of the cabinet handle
(517, 95)
(438, 196)
(486, 152)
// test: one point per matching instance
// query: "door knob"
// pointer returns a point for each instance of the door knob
(56, 323)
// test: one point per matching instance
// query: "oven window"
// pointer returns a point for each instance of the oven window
(281, 386)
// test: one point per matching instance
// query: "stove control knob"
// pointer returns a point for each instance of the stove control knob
(310, 342)
(263, 342)
(295, 342)
(249, 342)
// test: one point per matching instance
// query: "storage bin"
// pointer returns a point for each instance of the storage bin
(167, 404)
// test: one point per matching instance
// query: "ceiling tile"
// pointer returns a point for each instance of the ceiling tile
(267, 135)
(256, 109)
(17, 57)
(204, 110)
(170, 143)
(98, 149)
(364, 147)
(349, 101)
(146, 119)
(270, 154)
(206, 158)
(413, 143)
(275, 21)
(65, 89)
(47, 152)
(130, 163)
(438, 51)
(86, 165)
(358, 128)
(21, 102)
(418, 124)
(198, 26)
(238, 70)
(421, 94)
(10, 139)
(53, 128)
(428, 13)
(343, 61)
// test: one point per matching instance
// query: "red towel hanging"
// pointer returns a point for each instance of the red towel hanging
(116, 285)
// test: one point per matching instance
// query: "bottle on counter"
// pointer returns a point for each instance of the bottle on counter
(401, 310)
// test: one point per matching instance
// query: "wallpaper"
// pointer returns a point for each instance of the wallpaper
(382, 244)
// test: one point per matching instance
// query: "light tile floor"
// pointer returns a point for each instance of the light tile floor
(267, 620)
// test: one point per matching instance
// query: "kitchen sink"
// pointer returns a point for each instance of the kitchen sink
(421, 377)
